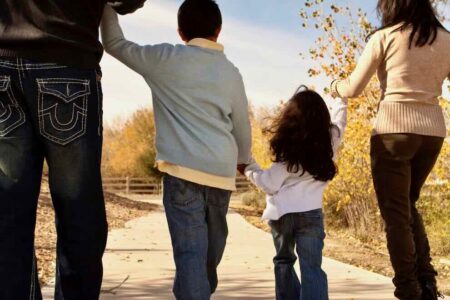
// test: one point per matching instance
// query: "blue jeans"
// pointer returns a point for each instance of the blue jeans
(305, 233)
(51, 112)
(198, 227)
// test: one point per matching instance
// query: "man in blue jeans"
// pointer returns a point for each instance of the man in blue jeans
(51, 108)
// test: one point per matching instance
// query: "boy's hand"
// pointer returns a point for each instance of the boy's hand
(241, 168)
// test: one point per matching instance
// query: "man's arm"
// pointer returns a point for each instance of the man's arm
(124, 7)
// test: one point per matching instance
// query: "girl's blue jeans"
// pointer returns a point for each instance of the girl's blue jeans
(302, 233)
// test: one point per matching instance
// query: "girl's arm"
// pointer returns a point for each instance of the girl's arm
(142, 59)
(368, 64)
(338, 114)
(270, 180)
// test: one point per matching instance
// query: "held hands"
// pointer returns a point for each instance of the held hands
(241, 168)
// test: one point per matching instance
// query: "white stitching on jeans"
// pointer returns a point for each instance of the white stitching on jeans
(62, 142)
(62, 96)
(30, 67)
(19, 69)
(42, 65)
(10, 65)
(5, 82)
(15, 103)
(58, 126)
(100, 119)
(8, 111)
(32, 64)
(42, 112)
(33, 275)
(42, 89)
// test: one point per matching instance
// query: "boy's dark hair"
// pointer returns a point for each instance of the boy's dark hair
(199, 19)
(302, 136)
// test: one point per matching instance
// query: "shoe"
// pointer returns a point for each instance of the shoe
(430, 291)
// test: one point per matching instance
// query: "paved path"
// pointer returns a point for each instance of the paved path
(142, 252)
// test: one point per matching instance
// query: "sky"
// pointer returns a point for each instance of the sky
(263, 38)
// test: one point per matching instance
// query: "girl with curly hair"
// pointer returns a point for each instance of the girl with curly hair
(304, 143)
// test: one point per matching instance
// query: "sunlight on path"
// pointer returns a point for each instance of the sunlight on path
(142, 252)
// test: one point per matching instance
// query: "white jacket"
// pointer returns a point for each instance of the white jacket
(290, 192)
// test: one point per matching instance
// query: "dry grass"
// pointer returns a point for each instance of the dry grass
(119, 210)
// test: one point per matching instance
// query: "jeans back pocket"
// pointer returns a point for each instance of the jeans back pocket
(63, 109)
(183, 193)
(11, 114)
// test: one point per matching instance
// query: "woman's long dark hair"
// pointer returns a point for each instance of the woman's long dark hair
(302, 136)
(419, 14)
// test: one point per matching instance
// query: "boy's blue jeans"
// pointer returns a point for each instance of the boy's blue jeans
(305, 233)
(51, 112)
(198, 227)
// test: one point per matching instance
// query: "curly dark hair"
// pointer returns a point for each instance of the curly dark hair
(302, 136)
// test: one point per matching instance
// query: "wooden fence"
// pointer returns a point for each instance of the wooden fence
(242, 184)
(147, 186)
(130, 185)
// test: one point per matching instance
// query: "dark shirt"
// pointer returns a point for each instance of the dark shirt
(57, 31)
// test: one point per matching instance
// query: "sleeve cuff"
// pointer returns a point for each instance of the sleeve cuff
(251, 167)
(342, 101)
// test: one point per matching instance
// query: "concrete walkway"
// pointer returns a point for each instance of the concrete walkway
(142, 253)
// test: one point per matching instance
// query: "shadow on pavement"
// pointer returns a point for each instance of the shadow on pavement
(238, 287)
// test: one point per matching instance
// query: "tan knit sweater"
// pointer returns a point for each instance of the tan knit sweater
(411, 81)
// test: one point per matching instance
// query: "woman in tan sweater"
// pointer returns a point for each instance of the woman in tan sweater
(411, 55)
